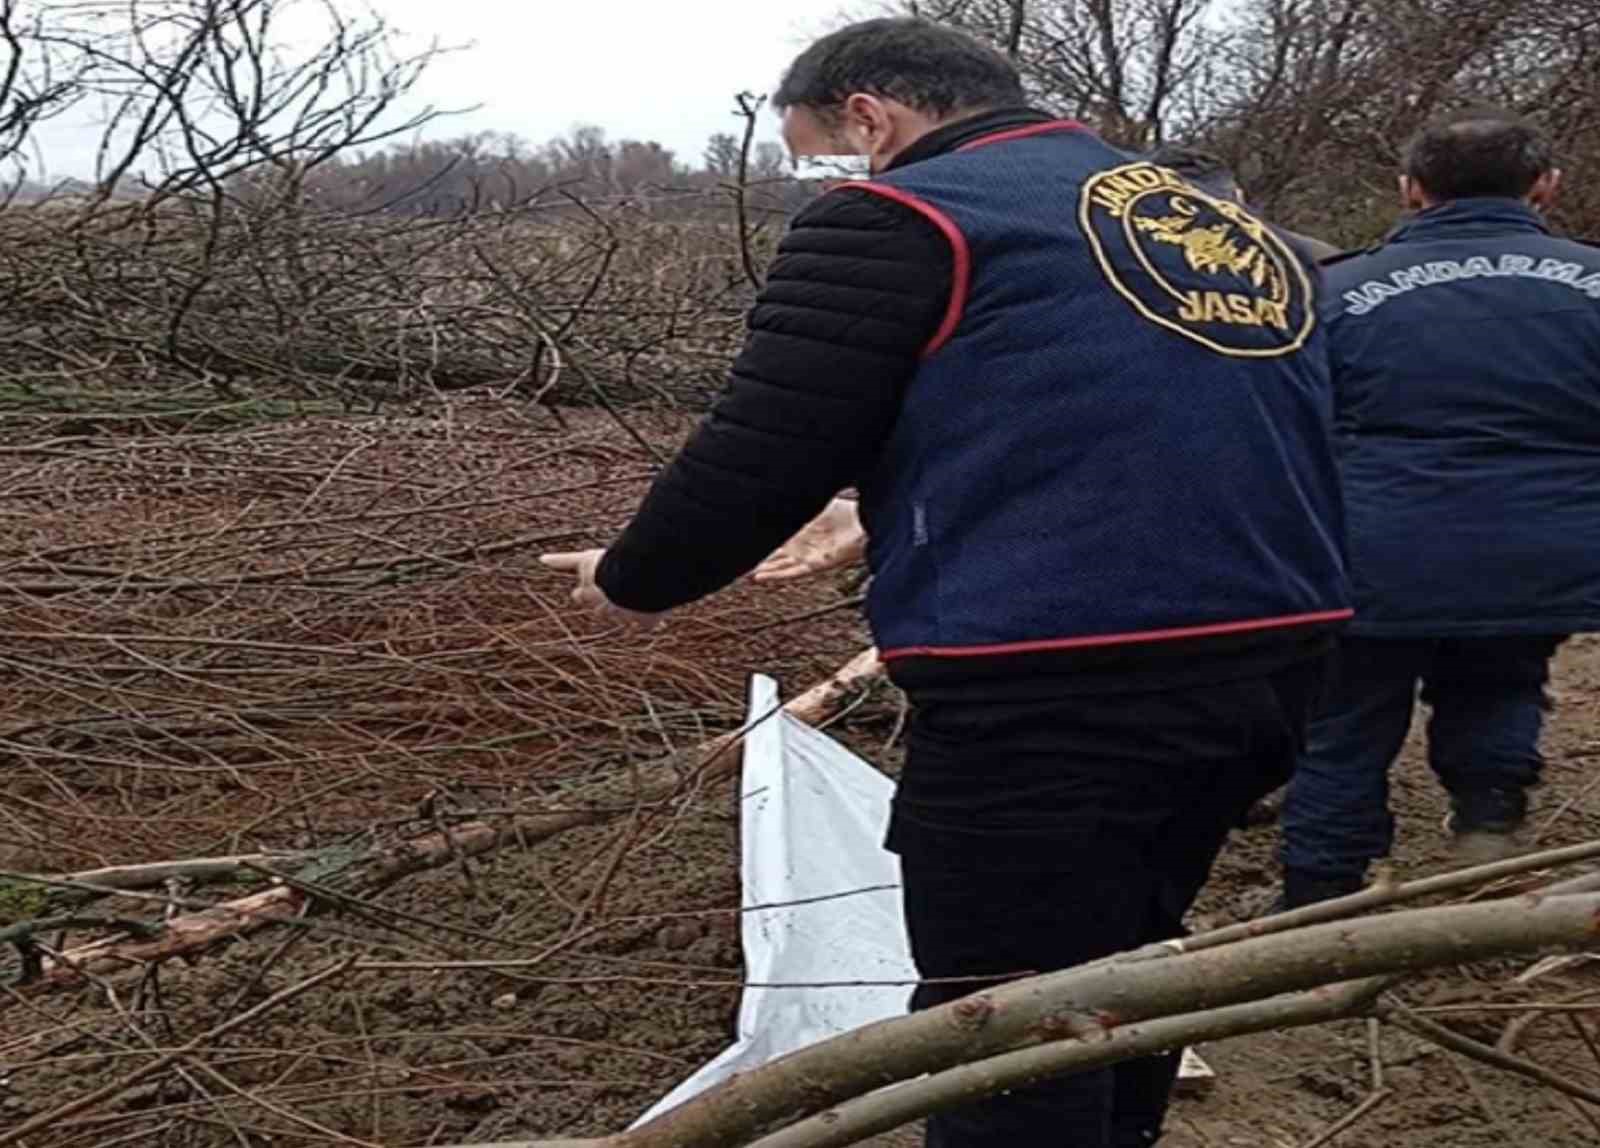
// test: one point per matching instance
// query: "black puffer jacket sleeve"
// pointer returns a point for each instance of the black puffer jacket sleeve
(859, 287)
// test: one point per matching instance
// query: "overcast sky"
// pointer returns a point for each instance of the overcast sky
(642, 69)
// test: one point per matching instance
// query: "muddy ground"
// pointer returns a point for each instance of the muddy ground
(635, 929)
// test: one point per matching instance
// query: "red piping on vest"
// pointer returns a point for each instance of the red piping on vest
(1048, 644)
(961, 272)
(1024, 133)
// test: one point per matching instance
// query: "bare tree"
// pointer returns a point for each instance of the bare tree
(35, 82)
(722, 155)
(1319, 97)
(1309, 100)
(1123, 64)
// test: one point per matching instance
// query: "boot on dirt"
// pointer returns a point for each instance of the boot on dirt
(1299, 890)
(1484, 825)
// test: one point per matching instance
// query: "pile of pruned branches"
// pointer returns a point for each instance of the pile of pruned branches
(207, 255)
(236, 296)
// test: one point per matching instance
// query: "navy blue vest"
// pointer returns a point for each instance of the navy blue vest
(1120, 433)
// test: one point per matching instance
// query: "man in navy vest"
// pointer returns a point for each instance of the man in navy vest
(1466, 359)
(1086, 406)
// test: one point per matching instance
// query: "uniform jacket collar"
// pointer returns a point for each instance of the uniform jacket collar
(953, 136)
(1469, 217)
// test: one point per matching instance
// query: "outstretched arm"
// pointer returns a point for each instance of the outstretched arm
(858, 289)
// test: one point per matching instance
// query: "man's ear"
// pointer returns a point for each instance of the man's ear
(1543, 193)
(866, 120)
(1412, 197)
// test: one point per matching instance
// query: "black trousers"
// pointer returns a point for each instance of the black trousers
(1041, 834)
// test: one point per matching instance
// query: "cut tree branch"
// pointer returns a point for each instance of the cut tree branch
(891, 1108)
(1090, 1005)
(188, 935)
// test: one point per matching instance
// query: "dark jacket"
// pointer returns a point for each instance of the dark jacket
(859, 288)
(1466, 354)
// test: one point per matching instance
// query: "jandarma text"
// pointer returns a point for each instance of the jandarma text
(1375, 292)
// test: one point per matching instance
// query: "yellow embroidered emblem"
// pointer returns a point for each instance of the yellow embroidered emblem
(1197, 264)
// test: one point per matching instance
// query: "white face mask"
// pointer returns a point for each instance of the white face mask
(831, 168)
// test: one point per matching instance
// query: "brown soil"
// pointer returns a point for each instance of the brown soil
(642, 987)
(1281, 1089)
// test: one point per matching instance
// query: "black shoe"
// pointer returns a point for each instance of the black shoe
(1302, 889)
(1496, 810)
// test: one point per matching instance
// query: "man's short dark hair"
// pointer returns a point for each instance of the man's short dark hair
(930, 67)
(1206, 169)
(1479, 152)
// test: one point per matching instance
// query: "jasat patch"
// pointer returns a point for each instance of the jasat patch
(1196, 264)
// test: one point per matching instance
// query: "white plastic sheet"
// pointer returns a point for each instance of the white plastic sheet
(811, 828)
